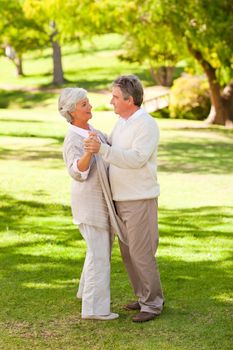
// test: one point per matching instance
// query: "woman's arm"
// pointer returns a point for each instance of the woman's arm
(73, 154)
(83, 163)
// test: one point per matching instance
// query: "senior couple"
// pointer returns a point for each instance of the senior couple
(115, 190)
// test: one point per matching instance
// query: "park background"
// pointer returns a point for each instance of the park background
(183, 48)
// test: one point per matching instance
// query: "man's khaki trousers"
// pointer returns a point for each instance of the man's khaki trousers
(140, 219)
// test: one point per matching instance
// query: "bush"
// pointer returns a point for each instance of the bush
(161, 113)
(189, 98)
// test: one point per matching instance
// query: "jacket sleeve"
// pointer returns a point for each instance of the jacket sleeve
(144, 144)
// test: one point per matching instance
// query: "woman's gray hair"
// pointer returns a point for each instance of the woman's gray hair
(68, 99)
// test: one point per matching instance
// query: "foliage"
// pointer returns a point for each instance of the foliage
(160, 31)
(189, 98)
(42, 252)
(145, 40)
(75, 20)
(30, 24)
(47, 12)
(17, 30)
(164, 30)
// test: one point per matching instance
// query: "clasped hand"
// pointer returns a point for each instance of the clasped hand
(92, 143)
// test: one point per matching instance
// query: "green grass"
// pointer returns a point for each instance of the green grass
(94, 66)
(41, 252)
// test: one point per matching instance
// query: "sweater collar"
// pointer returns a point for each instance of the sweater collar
(134, 116)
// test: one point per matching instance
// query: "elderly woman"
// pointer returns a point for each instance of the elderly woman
(91, 204)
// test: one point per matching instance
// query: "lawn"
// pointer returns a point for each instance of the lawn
(93, 65)
(42, 252)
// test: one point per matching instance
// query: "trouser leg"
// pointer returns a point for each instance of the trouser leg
(140, 218)
(132, 272)
(81, 282)
(96, 273)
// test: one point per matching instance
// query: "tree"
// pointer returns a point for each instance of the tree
(17, 33)
(65, 21)
(173, 29)
(31, 24)
(46, 14)
(145, 41)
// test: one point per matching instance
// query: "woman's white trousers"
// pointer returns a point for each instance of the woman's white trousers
(94, 286)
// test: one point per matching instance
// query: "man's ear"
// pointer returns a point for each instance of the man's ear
(131, 101)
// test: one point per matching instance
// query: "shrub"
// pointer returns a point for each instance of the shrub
(189, 98)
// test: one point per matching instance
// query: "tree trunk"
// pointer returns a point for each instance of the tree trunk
(163, 75)
(221, 112)
(228, 98)
(15, 58)
(58, 76)
(19, 65)
(218, 112)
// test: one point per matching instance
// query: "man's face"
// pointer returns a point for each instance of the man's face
(121, 106)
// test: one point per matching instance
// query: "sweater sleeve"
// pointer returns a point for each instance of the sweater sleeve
(144, 144)
(73, 151)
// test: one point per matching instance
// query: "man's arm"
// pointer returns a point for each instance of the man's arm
(143, 146)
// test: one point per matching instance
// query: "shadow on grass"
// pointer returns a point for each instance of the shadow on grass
(201, 156)
(207, 129)
(26, 121)
(29, 216)
(91, 85)
(37, 134)
(196, 222)
(31, 155)
(24, 99)
(42, 261)
(105, 78)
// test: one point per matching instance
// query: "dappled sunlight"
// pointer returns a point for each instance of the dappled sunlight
(224, 298)
(185, 156)
(183, 222)
(44, 285)
(42, 252)
(24, 99)
(32, 155)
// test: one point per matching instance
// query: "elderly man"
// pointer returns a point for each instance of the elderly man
(132, 153)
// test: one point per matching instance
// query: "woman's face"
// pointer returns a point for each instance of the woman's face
(82, 111)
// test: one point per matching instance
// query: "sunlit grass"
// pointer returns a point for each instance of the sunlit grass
(83, 66)
(42, 252)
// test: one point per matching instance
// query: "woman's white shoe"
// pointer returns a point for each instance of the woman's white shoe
(109, 317)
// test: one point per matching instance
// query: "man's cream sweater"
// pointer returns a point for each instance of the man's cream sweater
(133, 157)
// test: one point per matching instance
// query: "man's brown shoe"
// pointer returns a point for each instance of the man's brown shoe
(144, 317)
(132, 306)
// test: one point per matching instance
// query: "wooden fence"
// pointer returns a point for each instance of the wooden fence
(156, 98)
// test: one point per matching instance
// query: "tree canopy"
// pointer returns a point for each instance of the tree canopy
(161, 32)
(164, 31)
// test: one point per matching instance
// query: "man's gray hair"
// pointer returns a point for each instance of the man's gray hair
(68, 99)
(130, 85)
